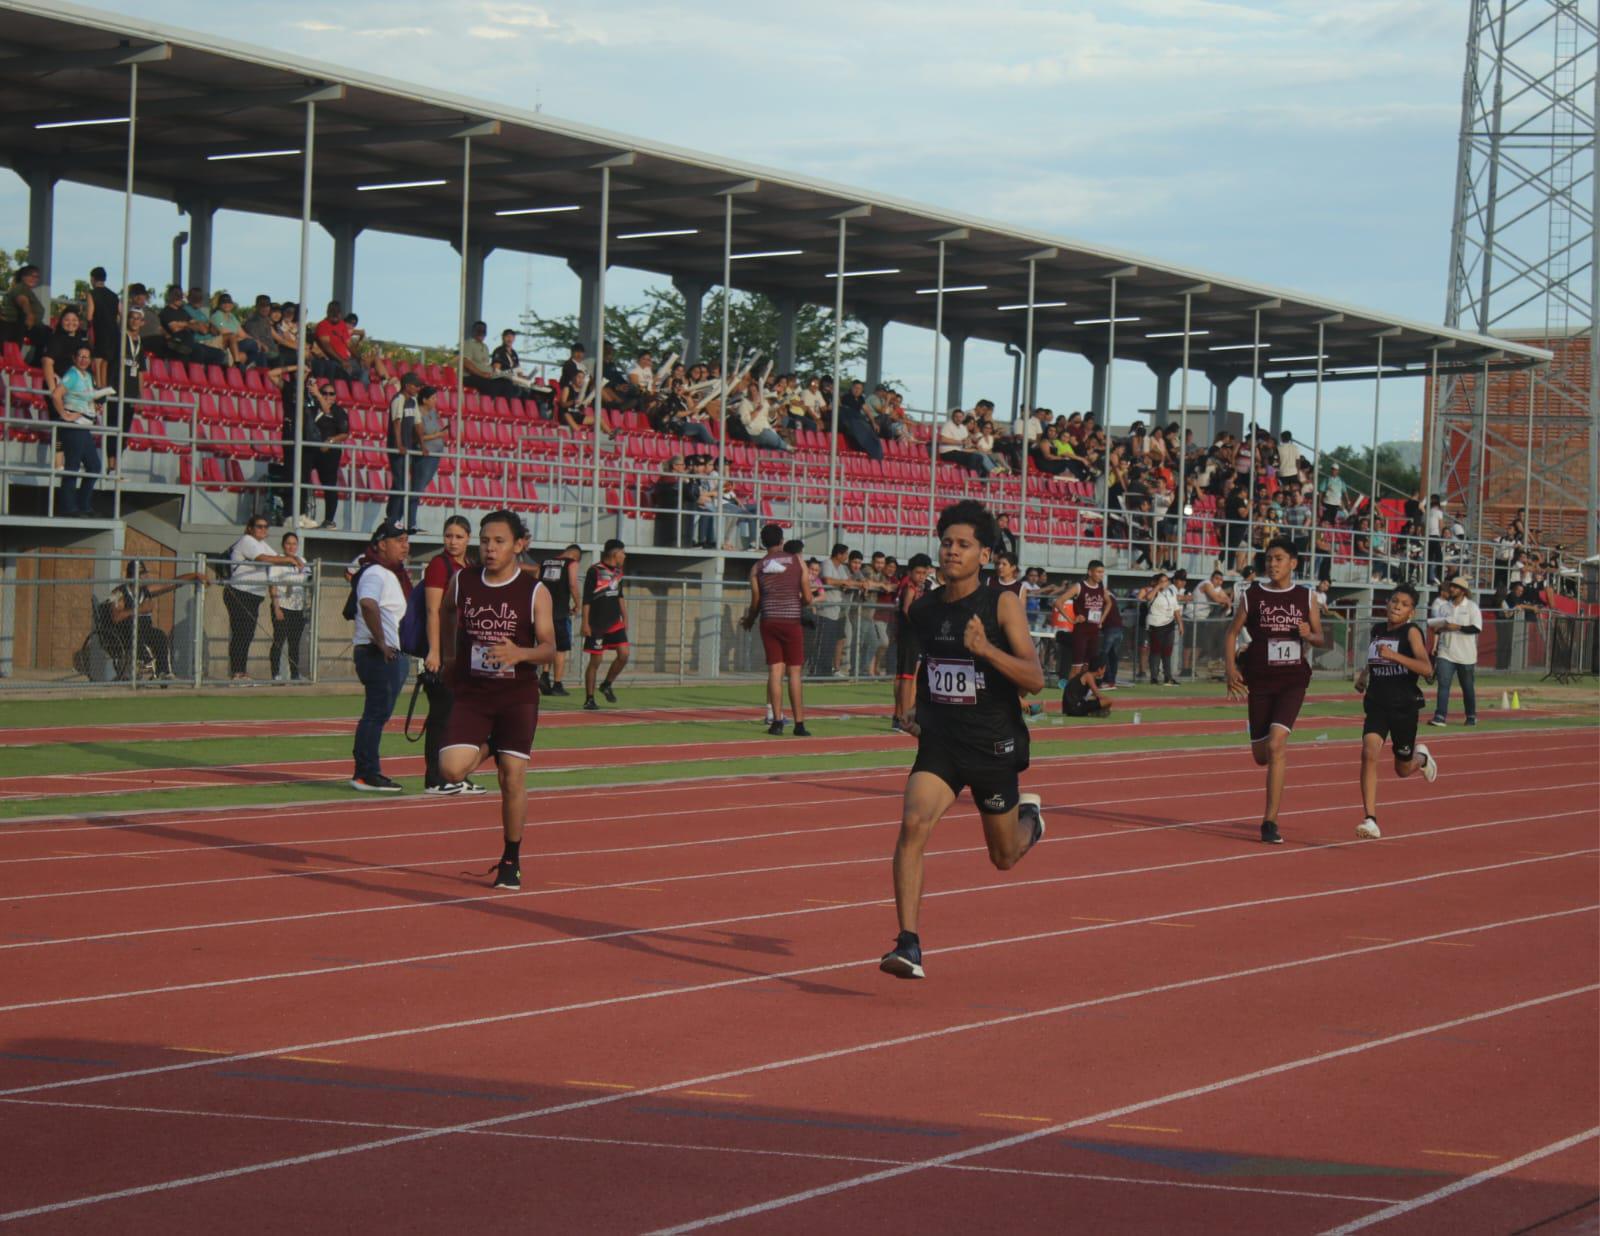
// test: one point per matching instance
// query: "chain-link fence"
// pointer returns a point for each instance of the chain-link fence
(75, 621)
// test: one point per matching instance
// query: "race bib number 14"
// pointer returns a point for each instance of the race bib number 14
(1283, 651)
(952, 682)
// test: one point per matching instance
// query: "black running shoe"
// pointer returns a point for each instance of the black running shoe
(904, 960)
(507, 875)
(589, 705)
(377, 784)
(544, 683)
(1028, 809)
(558, 688)
(800, 730)
(605, 690)
(776, 728)
(1270, 834)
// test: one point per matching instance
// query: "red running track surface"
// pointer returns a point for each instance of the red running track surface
(322, 1019)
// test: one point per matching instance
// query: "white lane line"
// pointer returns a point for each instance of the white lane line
(1166, 757)
(1467, 1182)
(1417, 795)
(1020, 1139)
(692, 1148)
(436, 903)
(842, 1052)
(720, 984)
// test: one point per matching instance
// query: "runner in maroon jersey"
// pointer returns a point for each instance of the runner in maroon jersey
(1006, 577)
(1281, 621)
(497, 624)
(779, 590)
(1090, 601)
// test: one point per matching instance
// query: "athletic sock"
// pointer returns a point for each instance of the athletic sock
(513, 854)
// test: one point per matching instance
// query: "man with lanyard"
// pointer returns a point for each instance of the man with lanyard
(496, 623)
(1088, 598)
(978, 661)
(779, 591)
(1281, 621)
(604, 622)
(560, 578)
(1397, 655)
(1165, 621)
(1456, 619)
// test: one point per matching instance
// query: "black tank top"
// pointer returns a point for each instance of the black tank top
(962, 700)
(553, 574)
(1389, 684)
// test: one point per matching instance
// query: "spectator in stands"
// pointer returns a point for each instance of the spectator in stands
(1007, 543)
(426, 455)
(753, 421)
(981, 441)
(23, 319)
(258, 327)
(133, 361)
(103, 309)
(887, 414)
(382, 589)
(678, 412)
(402, 437)
(335, 339)
(1456, 619)
(150, 334)
(184, 336)
(322, 461)
(229, 332)
(478, 371)
(286, 332)
(74, 402)
(955, 444)
(1051, 452)
(616, 391)
(248, 581)
(288, 591)
(817, 404)
(854, 424)
(69, 335)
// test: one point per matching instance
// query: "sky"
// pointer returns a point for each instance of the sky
(1291, 142)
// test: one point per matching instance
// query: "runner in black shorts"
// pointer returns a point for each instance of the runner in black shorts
(605, 621)
(495, 622)
(1396, 656)
(559, 575)
(977, 661)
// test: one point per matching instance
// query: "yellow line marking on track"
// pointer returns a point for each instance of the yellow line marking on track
(717, 1094)
(1166, 924)
(312, 1059)
(644, 888)
(826, 901)
(1084, 918)
(567, 884)
(1460, 1154)
(1144, 1128)
(1379, 939)
(596, 1085)
(1449, 944)
(1008, 1116)
(207, 1051)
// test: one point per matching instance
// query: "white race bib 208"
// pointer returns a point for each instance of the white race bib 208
(952, 682)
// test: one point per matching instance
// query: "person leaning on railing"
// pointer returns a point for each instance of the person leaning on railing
(74, 402)
(249, 558)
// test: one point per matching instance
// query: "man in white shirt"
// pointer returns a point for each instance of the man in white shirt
(380, 602)
(1164, 622)
(1456, 619)
(1288, 457)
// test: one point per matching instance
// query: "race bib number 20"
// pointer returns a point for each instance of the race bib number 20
(484, 664)
(952, 682)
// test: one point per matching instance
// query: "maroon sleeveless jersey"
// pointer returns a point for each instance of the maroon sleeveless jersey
(1091, 602)
(1276, 656)
(486, 614)
(779, 575)
(1014, 587)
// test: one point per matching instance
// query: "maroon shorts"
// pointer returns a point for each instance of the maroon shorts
(1274, 704)
(1085, 642)
(501, 718)
(784, 643)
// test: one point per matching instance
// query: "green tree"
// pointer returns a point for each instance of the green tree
(657, 326)
(10, 260)
(1396, 478)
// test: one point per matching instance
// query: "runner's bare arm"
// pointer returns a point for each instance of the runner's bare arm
(1416, 659)
(1311, 631)
(749, 619)
(1022, 667)
(1230, 646)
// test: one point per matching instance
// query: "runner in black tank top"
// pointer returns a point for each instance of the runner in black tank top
(1283, 623)
(504, 636)
(977, 661)
(559, 575)
(1396, 655)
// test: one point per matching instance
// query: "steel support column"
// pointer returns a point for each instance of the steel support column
(838, 378)
(693, 292)
(599, 328)
(41, 229)
(308, 166)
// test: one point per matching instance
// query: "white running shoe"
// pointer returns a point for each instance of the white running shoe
(1430, 770)
(469, 786)
(445, 788)
(1367, 830)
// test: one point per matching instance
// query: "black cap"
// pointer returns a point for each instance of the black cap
(386, 531)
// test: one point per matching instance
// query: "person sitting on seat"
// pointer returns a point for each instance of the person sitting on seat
(114, 624)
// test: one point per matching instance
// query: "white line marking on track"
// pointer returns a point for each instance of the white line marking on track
(1227, 1083)
(1469, 1182)
(839, 1053)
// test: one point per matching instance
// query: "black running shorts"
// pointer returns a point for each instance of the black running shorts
(596, 645)
(1397, 723)
(994, 780)
(563, 626)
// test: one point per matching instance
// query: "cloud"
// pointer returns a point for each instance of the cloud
(492, 32)
(316, 27)
(394, 32)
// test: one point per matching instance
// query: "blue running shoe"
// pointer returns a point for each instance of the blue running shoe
(905, 959)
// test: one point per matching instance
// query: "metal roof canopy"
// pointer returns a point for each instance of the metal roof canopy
(201, 96)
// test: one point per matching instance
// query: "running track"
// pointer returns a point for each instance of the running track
(320, 1018)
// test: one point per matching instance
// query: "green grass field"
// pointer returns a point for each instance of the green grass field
(144, 751)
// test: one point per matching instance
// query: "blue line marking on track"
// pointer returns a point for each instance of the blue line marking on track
(800, 1121)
